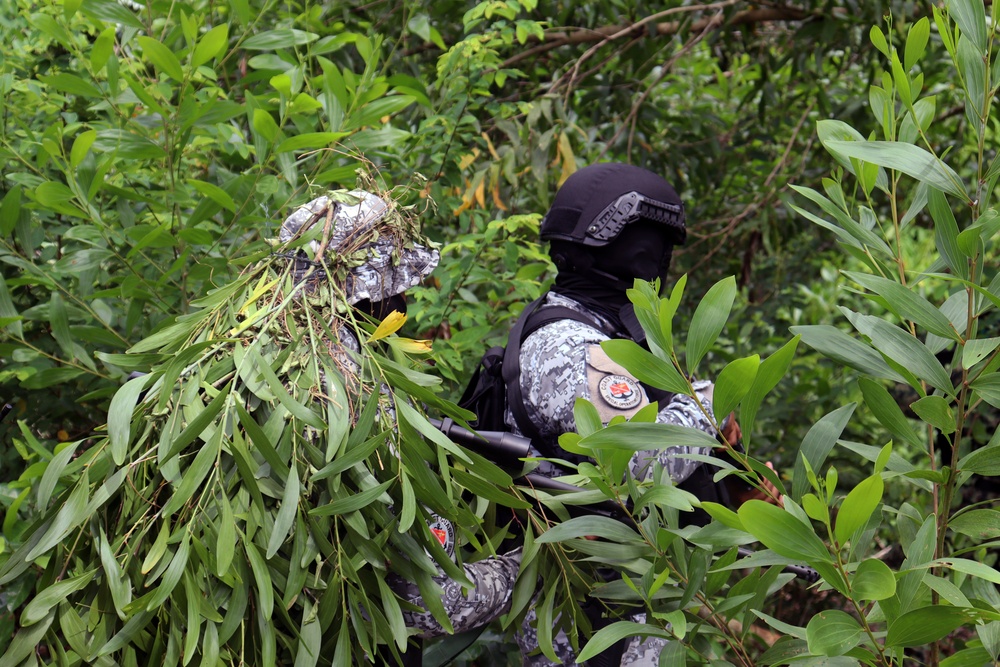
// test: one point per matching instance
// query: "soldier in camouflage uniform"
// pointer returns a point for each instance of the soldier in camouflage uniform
(609, 224)
(376, 287)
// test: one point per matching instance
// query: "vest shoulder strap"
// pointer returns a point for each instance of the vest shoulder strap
(533, 318)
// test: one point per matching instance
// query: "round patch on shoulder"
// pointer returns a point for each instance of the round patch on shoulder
(620, 391)
(442, 529)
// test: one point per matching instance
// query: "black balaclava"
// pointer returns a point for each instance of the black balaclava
(379, 310)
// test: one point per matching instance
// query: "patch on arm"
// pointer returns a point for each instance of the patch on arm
(613, 391)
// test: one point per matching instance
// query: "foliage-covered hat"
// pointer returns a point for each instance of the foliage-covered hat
(364, 240)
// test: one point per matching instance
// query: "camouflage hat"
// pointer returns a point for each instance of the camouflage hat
(369, 239)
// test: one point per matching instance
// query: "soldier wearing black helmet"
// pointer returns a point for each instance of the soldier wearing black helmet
(608, 225)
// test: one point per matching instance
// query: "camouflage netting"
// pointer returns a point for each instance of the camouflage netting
(256, 485)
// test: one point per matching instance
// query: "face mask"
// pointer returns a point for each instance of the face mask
(641, 251)
(378, 310)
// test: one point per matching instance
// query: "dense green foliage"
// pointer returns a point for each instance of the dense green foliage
(146, 155)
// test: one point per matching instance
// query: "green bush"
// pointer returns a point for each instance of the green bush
(925, 354)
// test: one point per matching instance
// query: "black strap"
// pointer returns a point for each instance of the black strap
(531, 319)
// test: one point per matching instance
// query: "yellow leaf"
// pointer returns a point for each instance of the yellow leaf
(568, 159)
(481, 193)
(467, 160)
(496, 197)
(411, 346)
(257, 293)
(390, 325)
(489, 145)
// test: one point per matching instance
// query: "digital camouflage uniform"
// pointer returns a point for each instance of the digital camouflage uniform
(390, 268)
(563, 361)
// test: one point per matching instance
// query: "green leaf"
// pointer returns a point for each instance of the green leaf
(847, 229)
(639, 436)
(286, 513)
(971, 567)
(310, 141)
(887, 411)
(723, 515)
(970, 16)
(120, 417)
(172, 575)
(278, 39)
(586, 417)
(988, 388)
(925, 625)
(904, 349)
(832, 633)
(978, 349)
(277, 387)
(916, 41)
(117, 581)
(26, 642)
(70, 515)
(782, 533)
(225, 544)
(666, 495)
(40, 605)
(597, 526)
(907, 158)
(212, 44)
(907, 304)
(644, 366)
(985, 461)
(102, 49)
(787, 649)
(162, 57)
(126, 145)
(262, 577)
(817, 443)
(352, 503)
(215, 193)
(264, 125)
(53, 471)
(311, 631)
(878, 40)
(858, 506)
(123, 637)
(769, 373)
(708, 321)
(195, 474)
(617, 631)
(840, 347)
(873, 580)
(10, 210)
(902, 87)
(981, 524)
(969, 657)
(111, 12)
(733, 383)
(81, 146)
(936, 411)
(946, 233)
(832, 131)
(373, 112)
(71, 84)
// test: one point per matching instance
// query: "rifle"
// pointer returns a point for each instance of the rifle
(508, 450)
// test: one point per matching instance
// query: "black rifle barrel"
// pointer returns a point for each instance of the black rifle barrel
(508, 449)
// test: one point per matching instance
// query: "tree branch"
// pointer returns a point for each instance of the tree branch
(555, 40)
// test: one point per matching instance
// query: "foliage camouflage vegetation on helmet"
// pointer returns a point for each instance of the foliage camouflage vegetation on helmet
(244, 507)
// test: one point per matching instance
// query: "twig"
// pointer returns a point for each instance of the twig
(331, 209)
(605, 34)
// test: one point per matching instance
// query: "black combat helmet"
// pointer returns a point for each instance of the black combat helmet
(595, 204)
